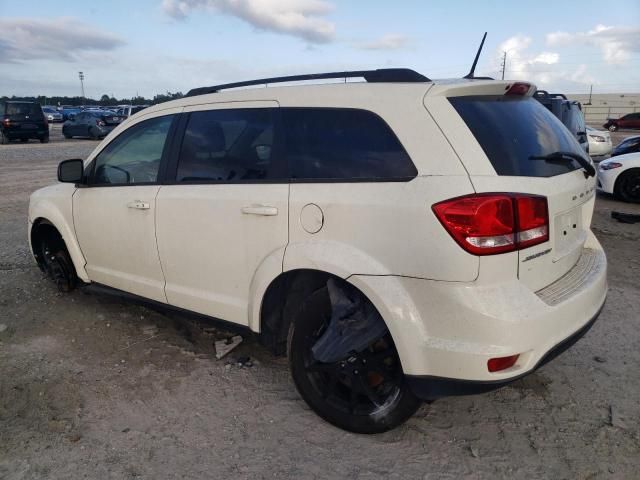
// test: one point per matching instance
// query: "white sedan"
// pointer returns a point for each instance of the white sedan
(620, 176)
(599, 142)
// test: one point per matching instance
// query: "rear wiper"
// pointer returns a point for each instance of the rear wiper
(589, 170)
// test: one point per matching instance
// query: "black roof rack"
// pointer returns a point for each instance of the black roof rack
(371, 76)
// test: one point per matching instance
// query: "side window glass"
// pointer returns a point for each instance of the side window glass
(232, 145)
(134, 156)
(347, 144)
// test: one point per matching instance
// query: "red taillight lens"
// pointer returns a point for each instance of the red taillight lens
(502, 363)
(491, 223)
(518, 88)
(533, 220)
(100, 123)
(6, 122)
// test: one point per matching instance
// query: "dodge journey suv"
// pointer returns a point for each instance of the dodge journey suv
(401, 239)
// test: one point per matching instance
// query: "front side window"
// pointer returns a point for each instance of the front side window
(134, 156)
(342, 144)
(228, 146)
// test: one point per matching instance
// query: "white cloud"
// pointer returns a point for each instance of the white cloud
(543, 68)
(616, 43)
(300, 18)
(390, 41)
(51, 39)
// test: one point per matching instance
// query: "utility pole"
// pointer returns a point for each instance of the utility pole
(590, 92)
(81, 77)
(504, 62)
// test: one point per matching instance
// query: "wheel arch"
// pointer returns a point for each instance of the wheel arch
(631, 169)
(50, 225)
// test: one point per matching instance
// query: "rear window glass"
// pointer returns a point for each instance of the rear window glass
(21, 109)
(342, 144)
(511, 130)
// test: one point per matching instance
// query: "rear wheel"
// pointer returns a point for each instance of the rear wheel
(93, 134)
(24, 140)
(613, 127)
(66, 134)
(3, 138)
(627, 186)
(44, 138)
(364, 392)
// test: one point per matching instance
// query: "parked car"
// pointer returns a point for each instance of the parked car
(628, 145)
(400, 238)
(68, 111)
(599, 142)
(621, 177)
(90, 123)
(631, 120)
(22, 121)
(569, 112)
(128, 110)
(52, 114)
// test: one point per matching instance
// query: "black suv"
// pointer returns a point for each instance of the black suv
(569, 112)
(22, 120)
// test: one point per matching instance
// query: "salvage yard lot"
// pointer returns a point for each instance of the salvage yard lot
(92, 386)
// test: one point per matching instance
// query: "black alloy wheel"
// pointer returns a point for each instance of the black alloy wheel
(627, 186)
(365, 392)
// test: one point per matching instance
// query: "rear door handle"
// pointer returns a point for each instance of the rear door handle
(139, 204)
(260, 210)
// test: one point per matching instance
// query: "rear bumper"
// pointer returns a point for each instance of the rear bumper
(432, 388)
(449, 330)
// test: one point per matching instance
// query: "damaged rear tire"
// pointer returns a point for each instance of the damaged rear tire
(364, 392)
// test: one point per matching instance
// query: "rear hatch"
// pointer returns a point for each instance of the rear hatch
(501, 139)
(24, 116)
(112, 119)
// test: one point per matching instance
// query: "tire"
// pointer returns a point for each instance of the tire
(44, 139)
(93, 135)
(24, 140)
(613, 127)
(57, 264)
(66, 135)
(4, 140)
(365, 392)
(627, 186)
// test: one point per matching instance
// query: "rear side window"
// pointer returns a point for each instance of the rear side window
(342, 144)
(511, 130)
(228, 146)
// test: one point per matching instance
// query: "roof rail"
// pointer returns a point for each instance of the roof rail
(371, 76)
(545, 94)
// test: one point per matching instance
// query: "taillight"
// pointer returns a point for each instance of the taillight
(100, 123)
(6, 122)
(518, 88)
(491, 223)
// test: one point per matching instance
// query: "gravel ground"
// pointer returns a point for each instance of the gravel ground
(94, 387)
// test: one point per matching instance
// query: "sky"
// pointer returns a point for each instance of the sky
(143, 47)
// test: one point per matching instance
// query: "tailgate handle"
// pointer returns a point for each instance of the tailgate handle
(265, 210)
(138, 204)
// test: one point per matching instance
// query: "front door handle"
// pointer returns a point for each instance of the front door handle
(140, 205)
(260, 210)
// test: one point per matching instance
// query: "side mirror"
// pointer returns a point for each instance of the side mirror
(70, 171)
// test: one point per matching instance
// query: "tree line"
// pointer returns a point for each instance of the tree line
(105, 100)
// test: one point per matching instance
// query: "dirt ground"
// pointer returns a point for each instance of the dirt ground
(94, 387)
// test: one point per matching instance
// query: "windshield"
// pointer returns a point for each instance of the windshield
(511, 130)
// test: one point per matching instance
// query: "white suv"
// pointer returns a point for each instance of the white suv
(403, 238)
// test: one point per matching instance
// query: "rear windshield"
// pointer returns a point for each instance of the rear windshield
(21, 109)
(510, 130)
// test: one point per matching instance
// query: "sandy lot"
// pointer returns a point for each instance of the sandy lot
(94, 387)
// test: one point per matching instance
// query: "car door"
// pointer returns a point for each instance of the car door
(225, 217)
(76, 124)
(114, 215)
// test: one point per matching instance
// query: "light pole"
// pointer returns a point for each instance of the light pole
(81, 77)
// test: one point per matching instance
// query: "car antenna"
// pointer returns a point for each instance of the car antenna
(475, 62)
